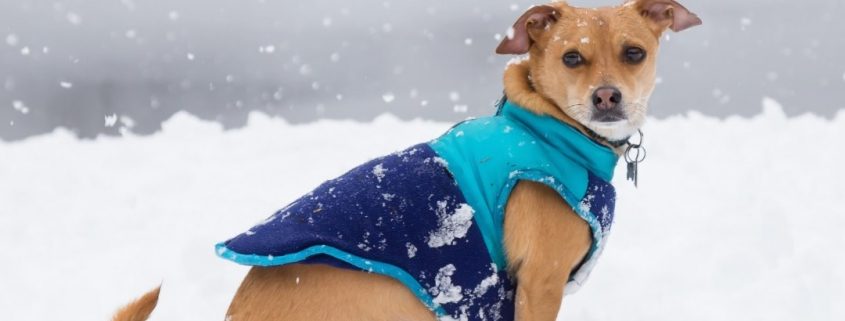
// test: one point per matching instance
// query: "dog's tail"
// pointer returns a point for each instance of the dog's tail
(140, 309)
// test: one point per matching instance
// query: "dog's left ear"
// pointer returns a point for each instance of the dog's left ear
(524, 32)
(664, 14)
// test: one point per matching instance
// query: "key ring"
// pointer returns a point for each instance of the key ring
(634, 155)
(640, 151)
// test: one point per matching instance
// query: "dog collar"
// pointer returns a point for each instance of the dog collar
(613, 143)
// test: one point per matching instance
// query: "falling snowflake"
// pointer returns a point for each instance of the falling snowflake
(388, 97)
(111, 120)
(20, 107)
(73, 18)
(12, 40)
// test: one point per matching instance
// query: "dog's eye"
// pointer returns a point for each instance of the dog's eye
(573, 59)
(633, 55)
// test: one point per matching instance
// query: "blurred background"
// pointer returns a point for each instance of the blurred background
(103, 67)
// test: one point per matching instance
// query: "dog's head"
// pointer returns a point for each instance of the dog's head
(597, 65)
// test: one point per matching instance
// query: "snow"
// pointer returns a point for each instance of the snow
(451, 226)
(412, 250)
(745, 22)
(388, 97)
(379, 172)
(444, 291)
(454, 96)
(73, 18)
(305, 70)
(510, 33)
(173, 15)
(12, 40)
(110, 120)
(20, 107)
(442, 161)
(735, 219)
(487, 283)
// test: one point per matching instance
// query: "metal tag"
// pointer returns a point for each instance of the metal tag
(632, 173)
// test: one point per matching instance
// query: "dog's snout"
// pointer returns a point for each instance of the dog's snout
(607, 104)
(607, 98)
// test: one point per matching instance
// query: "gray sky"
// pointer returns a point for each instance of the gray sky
(70, 63)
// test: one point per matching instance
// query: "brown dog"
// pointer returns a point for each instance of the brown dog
(591, 68)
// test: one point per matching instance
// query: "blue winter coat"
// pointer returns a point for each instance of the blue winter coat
(431, 216)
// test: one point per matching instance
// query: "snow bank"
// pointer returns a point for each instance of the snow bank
(734, 220)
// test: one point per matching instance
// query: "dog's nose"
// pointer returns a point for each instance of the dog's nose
(607, 98)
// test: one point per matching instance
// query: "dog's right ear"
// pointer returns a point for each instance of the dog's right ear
(522, 35)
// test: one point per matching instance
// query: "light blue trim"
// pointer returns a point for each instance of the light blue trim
(487, 156)
(371, 266)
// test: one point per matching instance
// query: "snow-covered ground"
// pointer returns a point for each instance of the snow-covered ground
(733, 220)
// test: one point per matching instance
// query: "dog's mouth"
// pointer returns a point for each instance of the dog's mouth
(612, 125)
(610, 116)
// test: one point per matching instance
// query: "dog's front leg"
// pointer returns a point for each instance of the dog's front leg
(544, 240)
(538, 300)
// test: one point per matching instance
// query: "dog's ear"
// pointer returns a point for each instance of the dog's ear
(663, 14)
(522, 35)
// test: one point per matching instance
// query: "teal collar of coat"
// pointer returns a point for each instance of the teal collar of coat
(488, 156)
(564, 138)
